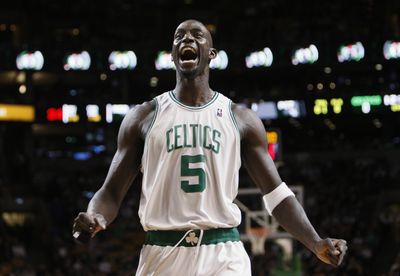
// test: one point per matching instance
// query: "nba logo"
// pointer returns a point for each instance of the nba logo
(219, 112)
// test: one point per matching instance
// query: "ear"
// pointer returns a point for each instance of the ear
(212, 53)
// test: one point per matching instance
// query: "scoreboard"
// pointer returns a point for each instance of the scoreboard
(71, 113)
(274, 144)
(363, 104)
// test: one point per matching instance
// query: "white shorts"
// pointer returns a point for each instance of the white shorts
(223, 259)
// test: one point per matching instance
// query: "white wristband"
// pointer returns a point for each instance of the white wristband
(273, 198)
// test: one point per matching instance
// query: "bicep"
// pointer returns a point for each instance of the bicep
(127, 158)
(257, 161)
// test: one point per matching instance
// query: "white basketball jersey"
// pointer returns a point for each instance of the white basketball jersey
(190, 166)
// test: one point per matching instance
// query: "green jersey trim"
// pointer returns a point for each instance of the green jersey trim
(233, 117)
(211, 236)
(173, 97)
(154, 117)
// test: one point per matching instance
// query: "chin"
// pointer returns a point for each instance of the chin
(189, 73)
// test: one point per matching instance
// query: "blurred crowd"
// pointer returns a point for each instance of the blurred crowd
(354, 198)
(348, 166)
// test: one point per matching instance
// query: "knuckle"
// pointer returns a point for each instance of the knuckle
(81, 215)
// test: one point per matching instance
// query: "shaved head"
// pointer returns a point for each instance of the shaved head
(201, 25)
(192, 49)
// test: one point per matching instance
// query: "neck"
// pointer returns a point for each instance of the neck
(193, 92)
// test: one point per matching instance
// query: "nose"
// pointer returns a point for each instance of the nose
(188, 37)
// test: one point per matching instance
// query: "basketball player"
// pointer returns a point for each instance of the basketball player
(189, 143)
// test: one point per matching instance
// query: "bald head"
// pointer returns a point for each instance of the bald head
(198, 25)
(192, 49)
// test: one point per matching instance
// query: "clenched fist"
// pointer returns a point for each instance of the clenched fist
(331, 251)
(87, 225)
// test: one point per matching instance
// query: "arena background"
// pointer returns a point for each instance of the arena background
(335, 114)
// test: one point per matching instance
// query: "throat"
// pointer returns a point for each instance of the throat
(193, 92)
(195, 98)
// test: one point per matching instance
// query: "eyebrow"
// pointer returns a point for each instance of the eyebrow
(194, 29)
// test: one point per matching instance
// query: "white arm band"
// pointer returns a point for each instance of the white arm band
(273, 198)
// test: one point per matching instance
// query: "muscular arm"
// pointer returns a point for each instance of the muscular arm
(125, 164)
(104, 206)
(289, 213)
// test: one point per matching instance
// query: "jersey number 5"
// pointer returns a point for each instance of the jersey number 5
(186, 160)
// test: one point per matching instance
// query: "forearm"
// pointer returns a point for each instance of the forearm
(107, 200)
(104, 203)
(292, 217)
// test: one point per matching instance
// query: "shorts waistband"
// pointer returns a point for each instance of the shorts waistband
(210, 236)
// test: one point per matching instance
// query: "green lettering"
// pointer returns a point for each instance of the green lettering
(185, 138)
(194, 132)
(177, 136)
(186, 160)
(216, 146)
(205, 137)
(169, 146)
(200, 136)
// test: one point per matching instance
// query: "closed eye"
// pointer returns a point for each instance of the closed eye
(198, 35)
(178, 36)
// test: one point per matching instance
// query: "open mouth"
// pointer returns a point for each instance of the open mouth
(188, 55)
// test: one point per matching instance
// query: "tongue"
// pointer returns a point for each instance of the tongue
(188, 56)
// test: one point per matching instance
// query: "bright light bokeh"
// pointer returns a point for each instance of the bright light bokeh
(122, 60)
(77, 61)
(351, 52)
(262, 58)
(30, 60)
(307, 55)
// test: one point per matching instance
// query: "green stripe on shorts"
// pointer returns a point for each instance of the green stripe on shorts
(211, 236)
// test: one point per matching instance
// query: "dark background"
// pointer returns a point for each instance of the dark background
(348, 163)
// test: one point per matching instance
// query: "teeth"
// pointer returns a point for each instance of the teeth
(188, 49)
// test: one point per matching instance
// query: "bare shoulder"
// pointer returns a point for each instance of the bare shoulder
(139, 118)
(247, 120)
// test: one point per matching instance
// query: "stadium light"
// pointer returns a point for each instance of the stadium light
(262, 58)
(70, 113)
(19, 113)
(307, 55)
(30, 60)
(22, 89)
(391, 50)
(337, 104)
(54, 114)
(77, 61)
(274, 148)
(122, 60)
(93, 113)
(116, 112)
(290, 108)
(365, 102)
(265, 110)
(321, 106)
(351, 52)
(220, 62)
(393, 101)
(164, 61)
(372, 100)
